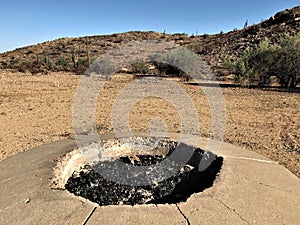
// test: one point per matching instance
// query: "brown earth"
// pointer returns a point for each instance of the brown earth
(38, 109)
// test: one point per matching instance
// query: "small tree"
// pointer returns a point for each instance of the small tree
(286, 63)
(258, 65)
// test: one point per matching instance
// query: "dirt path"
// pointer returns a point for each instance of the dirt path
(38, 109)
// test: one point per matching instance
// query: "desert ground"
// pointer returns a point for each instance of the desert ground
(37, 109)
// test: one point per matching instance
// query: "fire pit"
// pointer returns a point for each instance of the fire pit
(87, 180)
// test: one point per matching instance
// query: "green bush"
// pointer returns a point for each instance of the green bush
(258, 65)
(62, 64)
(179, 62)
(25, 66)
(13, 63)
(286, 63)
(140, 68)
(82, 62)
(238, 68)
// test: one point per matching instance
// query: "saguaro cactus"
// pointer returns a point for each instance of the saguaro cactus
(48, 63)
(88, 58)
(46, 60)
(75, 58)
(37, 59)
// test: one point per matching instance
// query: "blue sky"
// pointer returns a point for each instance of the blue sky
(26, 22)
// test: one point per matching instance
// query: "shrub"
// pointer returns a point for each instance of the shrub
(62, 64)
(118, 39)
(25, 66)
(103, 66)
(140, 68)
(181, 37)
(205, 35)
(82, 61)
(252, 66)
(3, 64)
(179, 62)
(286, 63)
(13, 63)
(258, 65)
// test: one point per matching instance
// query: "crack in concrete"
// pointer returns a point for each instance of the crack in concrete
(15, 204)
(89, 216)
(266, 185)
(184, 216)
(251, 159)
(232, 210)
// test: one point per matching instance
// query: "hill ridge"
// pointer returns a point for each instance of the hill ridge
(213, 48)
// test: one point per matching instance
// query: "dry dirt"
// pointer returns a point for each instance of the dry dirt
(38, 109)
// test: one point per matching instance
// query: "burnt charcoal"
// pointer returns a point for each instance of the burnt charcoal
(179, 187)
(142, 160)
(192, 182)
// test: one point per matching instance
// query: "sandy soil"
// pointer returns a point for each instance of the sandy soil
(38, 109)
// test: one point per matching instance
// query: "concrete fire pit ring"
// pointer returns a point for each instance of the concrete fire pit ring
(249, 189)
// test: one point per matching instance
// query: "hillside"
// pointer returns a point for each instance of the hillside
(58, 55)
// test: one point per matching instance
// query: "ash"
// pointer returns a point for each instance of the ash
(188, 180)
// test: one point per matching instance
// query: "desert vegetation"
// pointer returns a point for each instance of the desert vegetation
(75, 54)
(281, 61)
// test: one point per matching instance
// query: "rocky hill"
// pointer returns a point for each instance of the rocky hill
(69, 54)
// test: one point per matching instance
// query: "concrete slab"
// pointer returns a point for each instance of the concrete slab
(234, 152)
(205, 210)
(143, 214)
(26, 196)
(250, 189)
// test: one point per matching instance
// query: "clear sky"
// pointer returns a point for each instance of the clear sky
(26, 22)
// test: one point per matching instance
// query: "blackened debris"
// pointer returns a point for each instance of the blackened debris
(188, 180)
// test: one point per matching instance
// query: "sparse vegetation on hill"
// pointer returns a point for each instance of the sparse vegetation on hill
(75, 54)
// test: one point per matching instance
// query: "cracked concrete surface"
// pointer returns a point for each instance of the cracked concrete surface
(89, 216)
(250, 189)
(184, 216)
(233, 210)
(142, 214)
